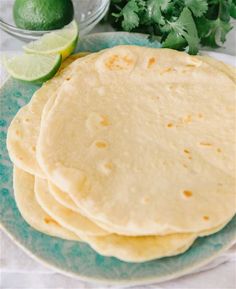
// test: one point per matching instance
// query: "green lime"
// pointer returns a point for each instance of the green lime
(42, 14)
(61, 41)
(32, 67)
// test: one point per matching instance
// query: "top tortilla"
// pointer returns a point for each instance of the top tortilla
(144, 139)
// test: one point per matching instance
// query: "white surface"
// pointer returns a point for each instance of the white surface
(17, 270)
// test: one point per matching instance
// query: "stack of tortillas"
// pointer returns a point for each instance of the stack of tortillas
(131, 150)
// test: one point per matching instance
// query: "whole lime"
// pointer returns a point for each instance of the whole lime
(42, 14)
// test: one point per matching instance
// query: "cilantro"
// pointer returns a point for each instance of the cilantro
(177, 24)
(154, 11)
(198, 8)
(174, 41)
(183, 28)
(213, 32)
(233, 10)
(129, 13)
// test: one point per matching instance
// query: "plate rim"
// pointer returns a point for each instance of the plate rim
(124, 283)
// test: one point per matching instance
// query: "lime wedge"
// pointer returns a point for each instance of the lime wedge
(61, 41)
(33, 67)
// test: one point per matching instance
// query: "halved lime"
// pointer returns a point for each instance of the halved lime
(33, 67)
(61, 41)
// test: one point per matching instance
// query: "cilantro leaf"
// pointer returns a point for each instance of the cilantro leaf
(233, 10)
(213, 32)
(174, 41)
(165, 5)
(224, 10)
(198, 8)
(154, 11)
(130, 16)
(185, 27)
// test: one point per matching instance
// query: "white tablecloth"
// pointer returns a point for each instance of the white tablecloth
(17, 270)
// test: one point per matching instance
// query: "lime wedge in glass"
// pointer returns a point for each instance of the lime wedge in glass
(61, 41)
(33, 67)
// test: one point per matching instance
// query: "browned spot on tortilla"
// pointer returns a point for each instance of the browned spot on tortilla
(206, 218)
(205, 144)
(170, 125)
(49, 220)
(101, 144)
(116, 62)
(186, 151)
(219, 150)
(128, 60)
(191, 65)
(187, 119)
(151, 61)
(111, 61)
(105, 121)
(187, 193)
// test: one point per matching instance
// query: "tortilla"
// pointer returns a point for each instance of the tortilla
(65, 200)
(62, 198)
(227, 69)
(135, 249)
(125, 151)
(74, 221)
(24, 129)
(140, 249)
(30, 210)
(132, 249)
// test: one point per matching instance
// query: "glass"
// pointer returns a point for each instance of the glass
(87, 14)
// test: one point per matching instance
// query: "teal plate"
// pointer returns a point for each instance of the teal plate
(78, 259)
